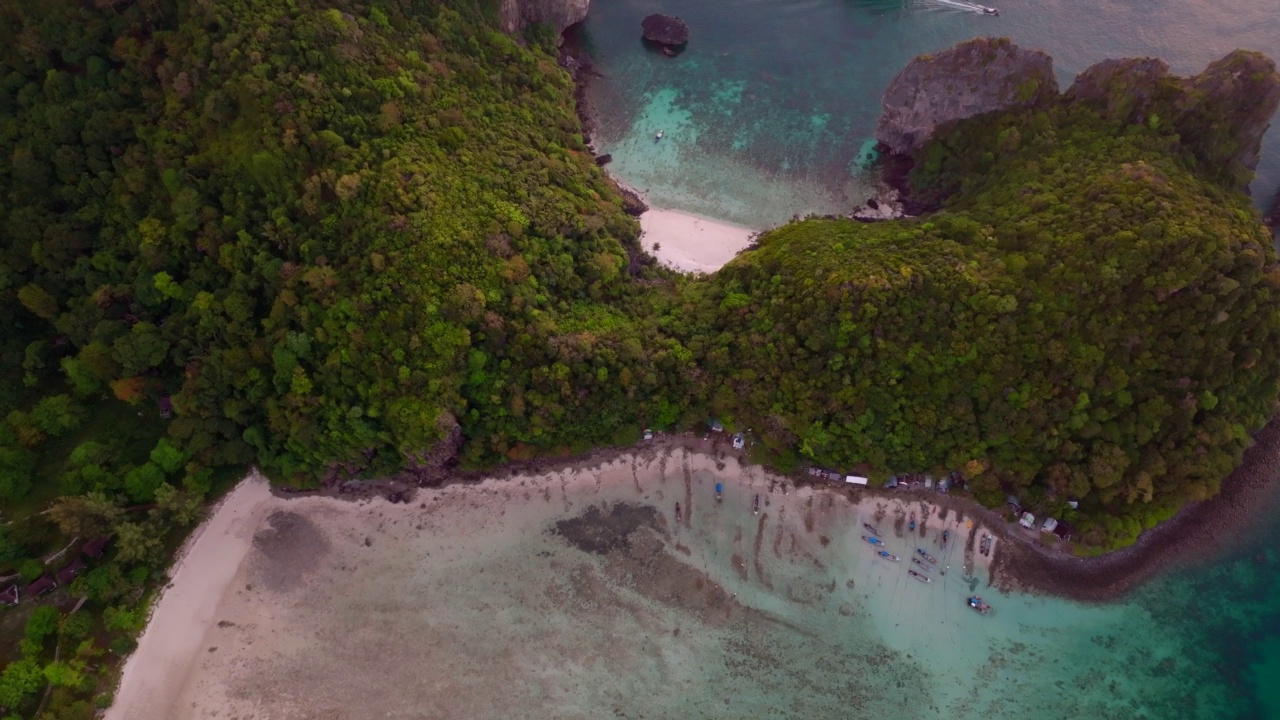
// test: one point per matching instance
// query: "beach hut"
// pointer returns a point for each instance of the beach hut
(1028, 520)
(94, 547)
(892, 482)
(45, 584)
(715, 425)
(69, 573)
(9, 596)
(166, 407)
(855, 479)
(1049, 525)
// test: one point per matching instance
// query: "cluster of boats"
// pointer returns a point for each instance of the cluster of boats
(923, 560)
(984, 547)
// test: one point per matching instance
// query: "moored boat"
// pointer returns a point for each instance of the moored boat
(978, 605)
(912, 524)
(678, 516)
(923, 565)
(946, 536)
(889, 556)
(872, 529)
(921, 577)
(872, 539)
(927, 556)
(755, 505)
(719, 490)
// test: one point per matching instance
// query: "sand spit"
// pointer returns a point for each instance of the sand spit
(692, 243)
(206, 565)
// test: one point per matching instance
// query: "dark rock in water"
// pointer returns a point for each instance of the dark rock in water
(669, 32)
(604, 159)
(973, 78)
(601, 530)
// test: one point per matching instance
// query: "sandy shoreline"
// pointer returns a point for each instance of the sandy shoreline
(246, 592)
(202, 574)
(691, 243)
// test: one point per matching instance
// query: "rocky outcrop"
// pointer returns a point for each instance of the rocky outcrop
(669, 32)
(1126, 90)
(1273, 217)
(516, 15)
(973, 78)
(1219, 115)
(431, 465)
(1224, 111)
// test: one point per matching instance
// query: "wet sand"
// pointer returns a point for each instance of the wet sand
(363, 609)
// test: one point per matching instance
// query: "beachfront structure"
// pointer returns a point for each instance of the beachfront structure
(855, 479)
(1028, 521)
(95, 547)
(1049, 525)
(9, 596)
(69, 573)
(45, 584)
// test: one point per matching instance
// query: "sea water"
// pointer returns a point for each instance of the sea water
(769, 111)
(579, 594)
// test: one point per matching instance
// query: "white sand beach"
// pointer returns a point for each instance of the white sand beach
(157, 670)
(469, 601)
(692, 243)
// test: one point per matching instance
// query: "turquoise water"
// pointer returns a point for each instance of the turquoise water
(768, 110)
(579, 594)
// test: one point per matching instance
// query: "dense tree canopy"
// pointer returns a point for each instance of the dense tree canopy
(1087, 320)
(360, 237)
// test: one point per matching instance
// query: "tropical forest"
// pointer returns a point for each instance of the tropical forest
(360, 238)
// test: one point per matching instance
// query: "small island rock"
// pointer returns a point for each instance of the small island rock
(669, 32)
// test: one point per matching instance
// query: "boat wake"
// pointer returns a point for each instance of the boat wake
(966, 6)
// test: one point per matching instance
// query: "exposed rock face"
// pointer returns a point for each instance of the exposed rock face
(430, 465)
(667, 31)
(975, 77)
(1225, 110)
(516, 15)
(1220, 114)
(1125, 90)
(1273, 218)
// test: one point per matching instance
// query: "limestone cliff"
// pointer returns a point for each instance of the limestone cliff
(1220, 115)
(516, 15)
(975, 77)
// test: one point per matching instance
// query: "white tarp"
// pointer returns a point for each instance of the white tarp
(855, 479)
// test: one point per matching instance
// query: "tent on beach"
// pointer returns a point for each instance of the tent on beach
(855, 479)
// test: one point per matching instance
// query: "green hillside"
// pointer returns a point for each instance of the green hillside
(360, 238)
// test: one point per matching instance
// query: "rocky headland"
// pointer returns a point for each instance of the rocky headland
(973, 78)
(1219, 115)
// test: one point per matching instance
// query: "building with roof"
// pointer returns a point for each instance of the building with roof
(46, 583)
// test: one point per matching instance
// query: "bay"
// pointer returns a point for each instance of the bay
(770, 111)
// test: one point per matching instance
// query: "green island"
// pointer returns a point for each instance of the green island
(369, 239)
